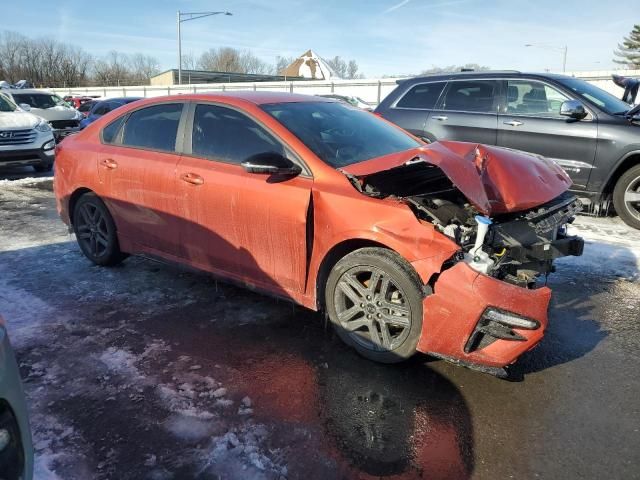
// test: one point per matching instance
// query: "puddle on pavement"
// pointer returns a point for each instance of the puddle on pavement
(359, 418)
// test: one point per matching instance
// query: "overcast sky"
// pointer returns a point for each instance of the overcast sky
(384, 36)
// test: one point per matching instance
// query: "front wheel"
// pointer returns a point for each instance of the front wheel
(96, 231)
(626, 197)
(374, 301)
(43, 167)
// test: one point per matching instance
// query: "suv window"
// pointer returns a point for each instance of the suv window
(424, 95)
(227, 135)
(153, 127)
(529, 97)
(470, 96)
(102, 109)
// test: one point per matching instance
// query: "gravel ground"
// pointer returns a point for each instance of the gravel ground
(148, 371)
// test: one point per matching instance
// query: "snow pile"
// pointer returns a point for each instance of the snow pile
(243, 446)
(610, 247)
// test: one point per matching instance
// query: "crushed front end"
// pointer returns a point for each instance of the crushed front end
(490, 300)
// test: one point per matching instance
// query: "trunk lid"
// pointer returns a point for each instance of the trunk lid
(495, 180)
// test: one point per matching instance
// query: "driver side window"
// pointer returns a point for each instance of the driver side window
(226, 135)
(533, 98)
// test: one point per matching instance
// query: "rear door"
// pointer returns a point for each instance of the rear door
(530, 120)
(412, 109)
(137, 168)
(467, 112)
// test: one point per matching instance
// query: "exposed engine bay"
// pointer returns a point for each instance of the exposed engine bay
(516, 247)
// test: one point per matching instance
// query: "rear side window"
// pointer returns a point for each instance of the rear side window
(227, 135)
(154, 127)
(471, 96)
(110, 132)
(422, 96)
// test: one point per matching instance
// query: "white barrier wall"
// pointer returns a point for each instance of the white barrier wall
(370, 90)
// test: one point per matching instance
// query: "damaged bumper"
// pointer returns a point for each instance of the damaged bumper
(478, 320)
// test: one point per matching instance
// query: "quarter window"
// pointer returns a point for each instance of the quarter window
(110, 132)
(153, 127)
(527, 97)
(227, 135)
(424, 96)
(470, 96)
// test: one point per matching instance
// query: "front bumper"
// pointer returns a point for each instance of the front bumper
(460, 298)
(14, 156)
(61, 133)
(16, 456)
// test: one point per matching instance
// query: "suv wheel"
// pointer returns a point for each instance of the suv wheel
(626, 197)
(374, 301)
(43, 167)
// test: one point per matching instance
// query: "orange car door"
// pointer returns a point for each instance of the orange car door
(137, 172)
(249, 226)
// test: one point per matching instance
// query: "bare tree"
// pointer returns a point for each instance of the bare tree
(227, 59)
(189, 62)
(142, 68)
(344, 69)
(281, 64)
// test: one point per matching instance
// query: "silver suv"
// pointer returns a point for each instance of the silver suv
(63, 118)
(25, 139)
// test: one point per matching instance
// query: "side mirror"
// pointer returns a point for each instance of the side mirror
(271, 163)
(573, 109)
(24, 106)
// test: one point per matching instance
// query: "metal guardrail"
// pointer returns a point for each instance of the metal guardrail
(370, 90)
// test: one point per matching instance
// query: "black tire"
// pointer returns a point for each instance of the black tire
(381, 320)
(96, 231)
(628, 184)
(43, 167)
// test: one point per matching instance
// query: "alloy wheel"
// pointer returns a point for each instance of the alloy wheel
(372, 308)
(632, 197)
(92, 230)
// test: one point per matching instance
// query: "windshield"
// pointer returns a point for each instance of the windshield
(599, 97)
(339, 134)
(39, 100)
(6, 105)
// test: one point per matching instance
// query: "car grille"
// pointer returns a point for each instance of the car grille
(58, 124)
(17, 137)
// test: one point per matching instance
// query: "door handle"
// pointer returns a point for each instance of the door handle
(192, 178)
(442, 118)
(514, 123)
(108, 163)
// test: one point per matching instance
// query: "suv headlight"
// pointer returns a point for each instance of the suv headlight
(78, 116)
(43, 126)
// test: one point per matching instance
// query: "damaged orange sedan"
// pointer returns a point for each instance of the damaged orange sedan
(407, 247)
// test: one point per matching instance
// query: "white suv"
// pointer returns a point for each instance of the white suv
(25, 139)
(63, 118)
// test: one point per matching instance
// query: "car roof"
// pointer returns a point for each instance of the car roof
(483, 74)
(256, 97)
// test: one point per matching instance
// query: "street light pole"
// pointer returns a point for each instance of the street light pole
(189, 16)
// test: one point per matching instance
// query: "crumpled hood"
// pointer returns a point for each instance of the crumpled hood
(17, 120)
(55, 113)
(495, 180)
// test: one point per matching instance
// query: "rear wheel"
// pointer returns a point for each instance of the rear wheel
(96, 231)
(374, 301)
(626, 197)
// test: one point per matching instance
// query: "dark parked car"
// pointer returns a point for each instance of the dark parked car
(103, 107)
(593, 135)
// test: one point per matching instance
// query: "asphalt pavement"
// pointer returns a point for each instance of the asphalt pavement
(151, 371)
